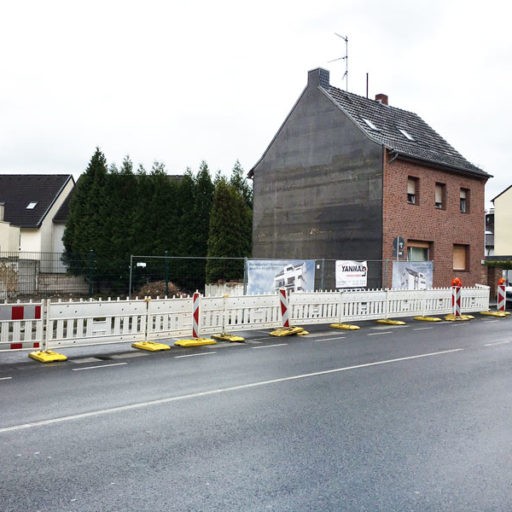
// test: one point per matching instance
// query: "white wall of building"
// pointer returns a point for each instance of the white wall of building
(503, 224)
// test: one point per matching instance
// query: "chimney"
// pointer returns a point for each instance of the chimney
(2, 210)
(318, 77)
(381, 98)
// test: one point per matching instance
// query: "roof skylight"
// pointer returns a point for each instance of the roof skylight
(31, 205)
(370, 124)
(406, 134)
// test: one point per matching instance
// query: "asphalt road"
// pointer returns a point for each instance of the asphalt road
(414, 418)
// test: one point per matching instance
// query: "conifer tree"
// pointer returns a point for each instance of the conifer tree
(82, 235)
(230, 229)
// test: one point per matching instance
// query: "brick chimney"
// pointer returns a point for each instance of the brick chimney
(318, 77)
(381, 98)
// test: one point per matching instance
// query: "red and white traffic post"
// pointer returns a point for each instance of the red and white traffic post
(456, 297)
(195, 315)
(501, 294)
(283, 297)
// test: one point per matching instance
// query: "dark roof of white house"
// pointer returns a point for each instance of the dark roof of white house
(29, 197)
(404, 133)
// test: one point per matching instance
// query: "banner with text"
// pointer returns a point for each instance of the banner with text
(351, 274)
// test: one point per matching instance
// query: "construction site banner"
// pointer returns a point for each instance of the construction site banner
(412, 275)
(267, 276)
(351, 274)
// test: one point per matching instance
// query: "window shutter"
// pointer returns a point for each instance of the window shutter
(439, 194)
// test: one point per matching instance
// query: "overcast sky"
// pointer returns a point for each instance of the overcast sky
(182, 82)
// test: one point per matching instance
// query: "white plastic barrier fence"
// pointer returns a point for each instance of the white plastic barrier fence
(95, 322)
(49, 325)
(168, 318)
(239, 313)
(21, 326)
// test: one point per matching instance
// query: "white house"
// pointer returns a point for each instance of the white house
(36, 204)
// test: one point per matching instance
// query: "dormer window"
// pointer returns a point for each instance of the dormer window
(370, 124)
(406, 134)
(31, 205)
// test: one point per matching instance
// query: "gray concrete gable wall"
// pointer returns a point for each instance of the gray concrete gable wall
(318, 187)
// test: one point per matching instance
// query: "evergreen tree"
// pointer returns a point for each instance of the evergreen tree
(229, 233)
(86, 222)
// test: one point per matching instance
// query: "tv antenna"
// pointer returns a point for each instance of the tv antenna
(345, 58)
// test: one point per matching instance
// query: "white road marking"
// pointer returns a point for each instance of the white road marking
(379, 333)
(5, 378)
(330, 339)
(218, 391)
(128, 355)
(96, 367)
(422, 328)
(496, 343)
(195, 355)
(270, 346)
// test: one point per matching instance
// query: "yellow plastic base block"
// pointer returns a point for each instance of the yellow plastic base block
(228, 337)
(47, 356)
(289, 331)
(428, 318)
(389, 321)
(195, 342)
(498, 314)
(151, 346)
(346, 327)
(461, 318)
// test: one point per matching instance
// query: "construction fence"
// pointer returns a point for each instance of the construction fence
(25, 276)
(48, 325)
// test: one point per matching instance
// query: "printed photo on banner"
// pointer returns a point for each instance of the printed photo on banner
(412, 275)
(351, 274)
(267, 276)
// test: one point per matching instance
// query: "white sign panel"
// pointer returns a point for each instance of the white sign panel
(351, 274)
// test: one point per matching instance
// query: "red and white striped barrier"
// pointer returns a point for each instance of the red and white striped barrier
(502, 296)
(456, 297)
(195, 315)
(12, 316)
(283, 297)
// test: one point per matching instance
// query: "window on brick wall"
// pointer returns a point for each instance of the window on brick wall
(440, 196)
(460, 257)
(412, 190)
(464, 200)
(418, 250)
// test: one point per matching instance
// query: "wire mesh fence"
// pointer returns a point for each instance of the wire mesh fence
(42, 275)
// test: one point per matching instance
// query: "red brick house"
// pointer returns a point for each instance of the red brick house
(345, 175)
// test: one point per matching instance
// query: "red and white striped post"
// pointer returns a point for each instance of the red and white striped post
(283, 297)
(501, 294)
(456, 297)
(195, 315)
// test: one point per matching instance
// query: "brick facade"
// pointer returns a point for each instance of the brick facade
(440, 227)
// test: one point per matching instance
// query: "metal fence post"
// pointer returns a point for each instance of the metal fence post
(166, 272)
(90, 271)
